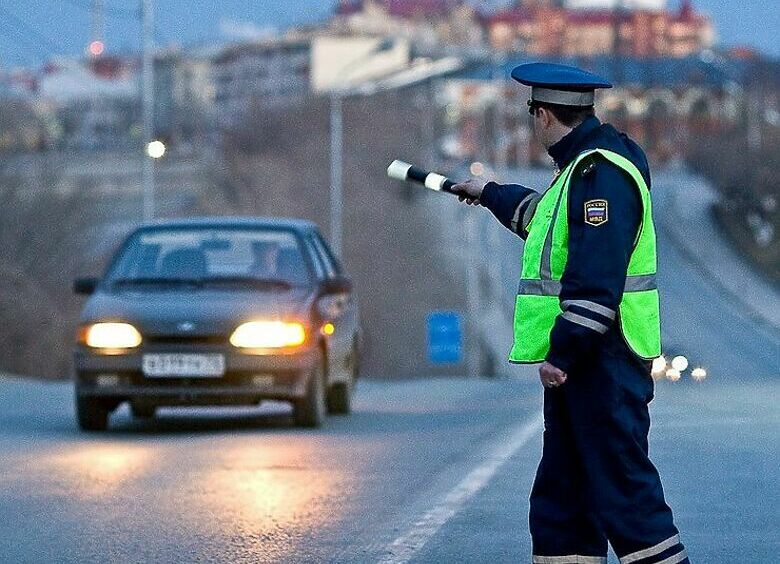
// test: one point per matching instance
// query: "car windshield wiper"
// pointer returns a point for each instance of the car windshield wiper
(251, 281)
(156, 281)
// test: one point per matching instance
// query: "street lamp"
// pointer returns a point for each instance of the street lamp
(337, 96)
(155, 149)
(147, 97)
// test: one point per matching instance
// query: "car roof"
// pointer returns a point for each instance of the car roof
(292, 223)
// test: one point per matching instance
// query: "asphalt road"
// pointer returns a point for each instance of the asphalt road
(426, 470)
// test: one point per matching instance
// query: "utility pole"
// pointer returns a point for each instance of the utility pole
(337, 96)
(618, 46)
(501, 142)
(96, 28)
(147, 93)
(336, 184)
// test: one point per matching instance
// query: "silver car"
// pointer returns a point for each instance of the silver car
(218, 311)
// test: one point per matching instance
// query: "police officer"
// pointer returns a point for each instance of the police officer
(587, 310)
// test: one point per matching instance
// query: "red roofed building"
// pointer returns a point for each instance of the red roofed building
(401, 8)
(545, 28)
(424, 21)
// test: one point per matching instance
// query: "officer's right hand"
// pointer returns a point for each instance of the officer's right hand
(551, 376)
(469, 191)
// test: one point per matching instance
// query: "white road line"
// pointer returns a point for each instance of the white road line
(402, 549)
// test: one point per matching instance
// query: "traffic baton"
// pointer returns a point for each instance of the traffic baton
(409, 173)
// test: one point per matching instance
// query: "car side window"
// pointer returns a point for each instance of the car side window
(316, 259)
(325, 249)
(330, 270)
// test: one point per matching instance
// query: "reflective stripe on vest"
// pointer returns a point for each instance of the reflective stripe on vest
(544, 261)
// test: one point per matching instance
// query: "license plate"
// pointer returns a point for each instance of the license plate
(184, 365)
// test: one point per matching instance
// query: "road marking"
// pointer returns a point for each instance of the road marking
(402, 549)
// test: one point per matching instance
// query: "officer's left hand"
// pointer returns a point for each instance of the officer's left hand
(469, 191)
(551, 376)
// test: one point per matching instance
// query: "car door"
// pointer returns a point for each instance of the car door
(342, 342)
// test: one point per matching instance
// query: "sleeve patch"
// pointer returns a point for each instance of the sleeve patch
(596, 212)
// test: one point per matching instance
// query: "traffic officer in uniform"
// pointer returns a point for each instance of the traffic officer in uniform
(587, 310)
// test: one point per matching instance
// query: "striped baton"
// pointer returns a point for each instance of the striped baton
(408, 173)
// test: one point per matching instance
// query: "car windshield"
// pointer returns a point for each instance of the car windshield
(217, 257)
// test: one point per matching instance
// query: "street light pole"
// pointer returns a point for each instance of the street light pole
(337, 96)
(147, 87)
(336, 167)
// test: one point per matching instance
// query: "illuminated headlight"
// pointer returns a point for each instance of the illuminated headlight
(659, 365)
(680, 363)
(698, 374)
(268, 335)
(673, 374)
(112, 336)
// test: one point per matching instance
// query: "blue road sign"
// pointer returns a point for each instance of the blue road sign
(445, 338)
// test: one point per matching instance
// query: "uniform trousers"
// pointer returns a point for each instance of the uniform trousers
(595, 483)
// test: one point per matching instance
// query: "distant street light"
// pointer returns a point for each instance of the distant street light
(96, 48)
(155, 149)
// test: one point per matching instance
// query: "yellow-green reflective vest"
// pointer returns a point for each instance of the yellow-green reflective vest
(544, 260)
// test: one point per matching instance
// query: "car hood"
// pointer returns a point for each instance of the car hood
(199, 312)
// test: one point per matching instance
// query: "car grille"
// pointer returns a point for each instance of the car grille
(186, 340)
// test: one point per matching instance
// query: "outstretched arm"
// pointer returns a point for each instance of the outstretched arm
(513, 205)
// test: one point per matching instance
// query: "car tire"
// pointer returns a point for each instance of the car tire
(339, 399)
(310, 410)
(91, 413)
(340, 393)
(143, 411)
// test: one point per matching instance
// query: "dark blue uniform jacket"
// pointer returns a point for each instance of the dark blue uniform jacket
(595, 274)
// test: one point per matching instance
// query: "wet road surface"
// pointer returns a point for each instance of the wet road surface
(425, 470)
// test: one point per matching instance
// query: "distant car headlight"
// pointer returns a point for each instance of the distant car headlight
(268, 335)
(698, 374)
(111, 336)
(680, 363)
(659, 365)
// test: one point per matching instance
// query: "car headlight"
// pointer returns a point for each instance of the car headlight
(268, 335)
(111, 336)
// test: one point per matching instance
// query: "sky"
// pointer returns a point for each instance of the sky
(32, 31)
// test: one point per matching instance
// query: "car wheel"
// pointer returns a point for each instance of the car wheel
(143, 410)
(309, 411)
(92, 414)
(340, 394)
(339, 399)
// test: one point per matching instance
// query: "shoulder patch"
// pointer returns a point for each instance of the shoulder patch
(596, 212)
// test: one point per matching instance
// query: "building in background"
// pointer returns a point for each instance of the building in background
(665, 104)
(338, 62)
(184, 94)
(589, 28)
(427, 23)
(271, 72)
(93, 102)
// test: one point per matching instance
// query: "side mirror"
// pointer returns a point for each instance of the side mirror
(85, 286)
(338, 285)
